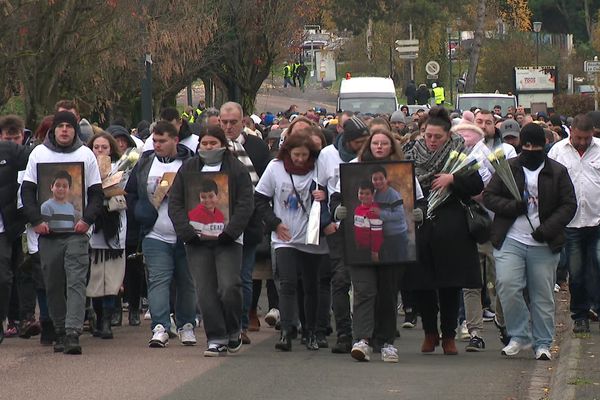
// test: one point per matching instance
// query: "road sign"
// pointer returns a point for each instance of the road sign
(410, 42)
(591, 67)
(432, 68)
(411, 56)
(407, 49)
(433, 76)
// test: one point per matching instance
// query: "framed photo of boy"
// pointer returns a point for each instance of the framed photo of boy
(207, 201)
(380, 197)
(61, 194)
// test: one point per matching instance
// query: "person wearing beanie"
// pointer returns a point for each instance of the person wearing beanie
(398, 122)
(528, 235)
(344, 149)
(64, 255)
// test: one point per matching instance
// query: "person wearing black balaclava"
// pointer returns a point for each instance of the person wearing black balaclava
(528, 235)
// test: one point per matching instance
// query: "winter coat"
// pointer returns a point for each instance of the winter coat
(13, 158)
(447, 254)
(556, 197)
(240, 197)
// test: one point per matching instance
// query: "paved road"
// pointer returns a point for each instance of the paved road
(125, 368)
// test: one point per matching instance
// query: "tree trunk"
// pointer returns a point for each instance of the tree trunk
(476, 48)
(369, 35)
(588, 18)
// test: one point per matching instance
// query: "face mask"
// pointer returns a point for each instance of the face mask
(212, 157)
(532, 159)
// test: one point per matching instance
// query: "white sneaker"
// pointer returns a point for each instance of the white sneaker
(514, 347)
(543, 354)
(147, 316)
(186, 335)
(361, 351)
(389, 353)
(487, 315)
(272, 317)
(215, 350)
(160, 338)
(464, 332)
(556, 288)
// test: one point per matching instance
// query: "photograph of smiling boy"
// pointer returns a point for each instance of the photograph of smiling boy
(207, 202)
(392, 203)
(61, 194)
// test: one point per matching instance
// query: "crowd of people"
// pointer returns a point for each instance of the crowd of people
(80, 253)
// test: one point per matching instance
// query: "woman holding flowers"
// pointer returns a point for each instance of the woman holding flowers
(107, 245)
(447, 253)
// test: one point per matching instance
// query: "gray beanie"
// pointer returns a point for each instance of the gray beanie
(398, 116)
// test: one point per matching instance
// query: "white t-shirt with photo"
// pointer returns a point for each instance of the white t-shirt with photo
(276, 183)
(163, 229)
(521, 230)
(191, 142)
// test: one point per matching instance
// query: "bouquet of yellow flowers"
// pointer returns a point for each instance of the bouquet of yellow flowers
(113, 183)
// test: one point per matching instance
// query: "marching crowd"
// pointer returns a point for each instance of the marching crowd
(78, 249)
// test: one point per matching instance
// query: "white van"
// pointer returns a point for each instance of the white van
(368, 95)
(485, 101)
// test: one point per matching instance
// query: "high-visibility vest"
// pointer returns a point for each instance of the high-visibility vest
(295, 70)
(438, 93)
(187, 116)
(287, 71)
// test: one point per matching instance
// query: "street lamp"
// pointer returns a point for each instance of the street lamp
(449, 32)
(537, 27)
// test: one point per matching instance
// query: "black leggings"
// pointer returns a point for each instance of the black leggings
(272, 294)
(444, 300)
(135, 279)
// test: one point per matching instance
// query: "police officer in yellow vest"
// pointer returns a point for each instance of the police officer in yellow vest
(287, 75)
(438, 94)
(295, 77)
(188, 114)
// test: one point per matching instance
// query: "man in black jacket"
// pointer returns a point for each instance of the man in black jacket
(254, 154)
(13, 158)
(64, 254)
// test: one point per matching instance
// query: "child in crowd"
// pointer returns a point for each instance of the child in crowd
(206, 218)
(57, 211)
(368, 227)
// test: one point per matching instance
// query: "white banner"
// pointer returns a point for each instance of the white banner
(535, 79)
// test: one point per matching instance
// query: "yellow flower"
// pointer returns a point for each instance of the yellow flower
(453, 154)
(492, 157)
(133, 157)
(462, 157)
(164, 183)
(499, 153)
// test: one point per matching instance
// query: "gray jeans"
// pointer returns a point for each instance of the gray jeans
(65, 264)
(472, 297)
(340, 284)
(216, 271)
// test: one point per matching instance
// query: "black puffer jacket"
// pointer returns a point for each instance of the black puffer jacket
(13, 158)
(556, 197)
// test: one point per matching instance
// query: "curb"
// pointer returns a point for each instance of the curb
(570, 354)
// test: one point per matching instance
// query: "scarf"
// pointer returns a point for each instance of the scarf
(345, 154)
(290, 168)
(429, 163)
(212, 157)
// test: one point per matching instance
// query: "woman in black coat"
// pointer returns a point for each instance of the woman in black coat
(448, 259)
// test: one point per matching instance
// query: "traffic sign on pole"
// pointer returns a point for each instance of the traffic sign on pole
(591, 67)
(432, 68)
(408, 49)
(409, 56)
(409, 42)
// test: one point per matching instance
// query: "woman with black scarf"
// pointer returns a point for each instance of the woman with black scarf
(447, 254)
(107, 246)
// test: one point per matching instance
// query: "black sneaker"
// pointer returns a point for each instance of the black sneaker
(343, 345)
(59, 342)
(233, 346)
(410, 320)
(322, 341)
(1, 333)
(581, 326)
(215, 350)
(47, 337)
(72, 344)
(504, 338)
(475, 344)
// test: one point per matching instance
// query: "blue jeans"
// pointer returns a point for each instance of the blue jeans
(518, 266)
(248, 261)
(582, 253)
(165, 262)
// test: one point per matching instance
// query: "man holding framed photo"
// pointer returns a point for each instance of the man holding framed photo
(64, 255)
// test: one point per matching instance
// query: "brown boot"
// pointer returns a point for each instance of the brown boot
(449, 346)
(432, 340)
(254, 323)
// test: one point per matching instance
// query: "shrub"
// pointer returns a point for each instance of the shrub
(573, 104)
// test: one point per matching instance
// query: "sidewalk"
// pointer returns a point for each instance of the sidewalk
(577, 373)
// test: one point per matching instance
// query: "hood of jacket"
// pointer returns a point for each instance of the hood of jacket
(50, 142)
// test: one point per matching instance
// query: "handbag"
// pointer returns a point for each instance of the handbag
(478, 221)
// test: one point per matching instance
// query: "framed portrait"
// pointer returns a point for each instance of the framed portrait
(207, 202)
(61, 194)
(380, 198)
